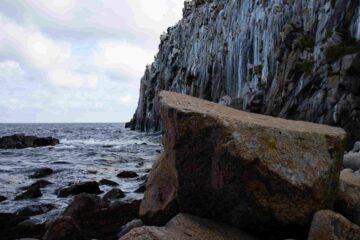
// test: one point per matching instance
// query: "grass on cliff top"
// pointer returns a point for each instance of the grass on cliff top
(349, 47)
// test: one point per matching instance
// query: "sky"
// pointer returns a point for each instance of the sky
(77, 60)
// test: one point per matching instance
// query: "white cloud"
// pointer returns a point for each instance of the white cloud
(63, 78)
(122, 58)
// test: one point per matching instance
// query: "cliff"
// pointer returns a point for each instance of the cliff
(295, 59)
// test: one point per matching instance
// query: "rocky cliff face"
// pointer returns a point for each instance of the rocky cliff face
(296, 59)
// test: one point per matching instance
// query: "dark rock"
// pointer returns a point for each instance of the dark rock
(128, 125)
(252, 171)
(114, 194)
(141, 188)
(2, 198)
(127, 174)
(329, 225)
(41, 172)
(83, 187)
(108, 183)
(38, 184)
(356, 147)
(19, 141)
(187, 227)
(33, 192)
(63, 228)
(35, 210)
(129, 226)
(98, 219)
(13, 226)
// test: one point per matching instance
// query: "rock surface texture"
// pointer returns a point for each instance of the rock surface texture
(250, 170)
(187, 227)
(332, 226)
(348, 202)
(295, 59)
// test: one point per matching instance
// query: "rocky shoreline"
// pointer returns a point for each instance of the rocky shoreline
(223, 174)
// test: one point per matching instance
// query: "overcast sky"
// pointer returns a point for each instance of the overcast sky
(77, 60)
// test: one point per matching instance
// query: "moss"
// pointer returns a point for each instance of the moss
(306, 67)
(307, 41)
(258, 69)
(335, 52)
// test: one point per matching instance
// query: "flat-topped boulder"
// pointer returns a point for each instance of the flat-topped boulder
(20, 141)
(256, 172)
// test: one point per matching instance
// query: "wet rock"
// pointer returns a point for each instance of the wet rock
(114, 194)
(62, 228)
(108, 183)
(141, 188)
(33, 210)
(187, 227)
(252, 171)
(41, 172)
(352, 161)
(98, 219)
(329, 225)
(83, 187)
(19, 141)
(2, 198)
(38, 184)
(33, 192)
(348, 201)
(127, 174)
(13, 226)
(129, 226)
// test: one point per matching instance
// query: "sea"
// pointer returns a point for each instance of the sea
(87, 152)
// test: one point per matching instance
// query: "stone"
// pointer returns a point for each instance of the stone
(114, 194)
(127, 174)
(20, 141)
(82, 187)
(129, 226)
(141, 188)
(41, 172)
(356, 147)
(187, 227)
(33, 192)
(2, 198)
(348, 201)
(256, 172)
(38, 184)
(62, 228)
(352, 161)
(33, 210)
(13, 226)
(99, 219)
(108, 183)
(332, 226)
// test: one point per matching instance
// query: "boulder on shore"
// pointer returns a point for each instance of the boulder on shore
(20, 141)
(91, 187)
(255, 172)
(187, 227)
(348, 201)
(89, 217)
(332, 226)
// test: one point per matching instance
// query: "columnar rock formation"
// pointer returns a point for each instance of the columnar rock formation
(256, 172)
(296, 59)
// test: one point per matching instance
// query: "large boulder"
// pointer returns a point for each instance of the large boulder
(187, 227)
(332, 226)
(90, 187)
(348, 202)
(256, 172)
(352, 161)
(19, 141)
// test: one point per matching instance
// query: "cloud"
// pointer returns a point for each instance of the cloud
(122, 58)
(77, 60)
